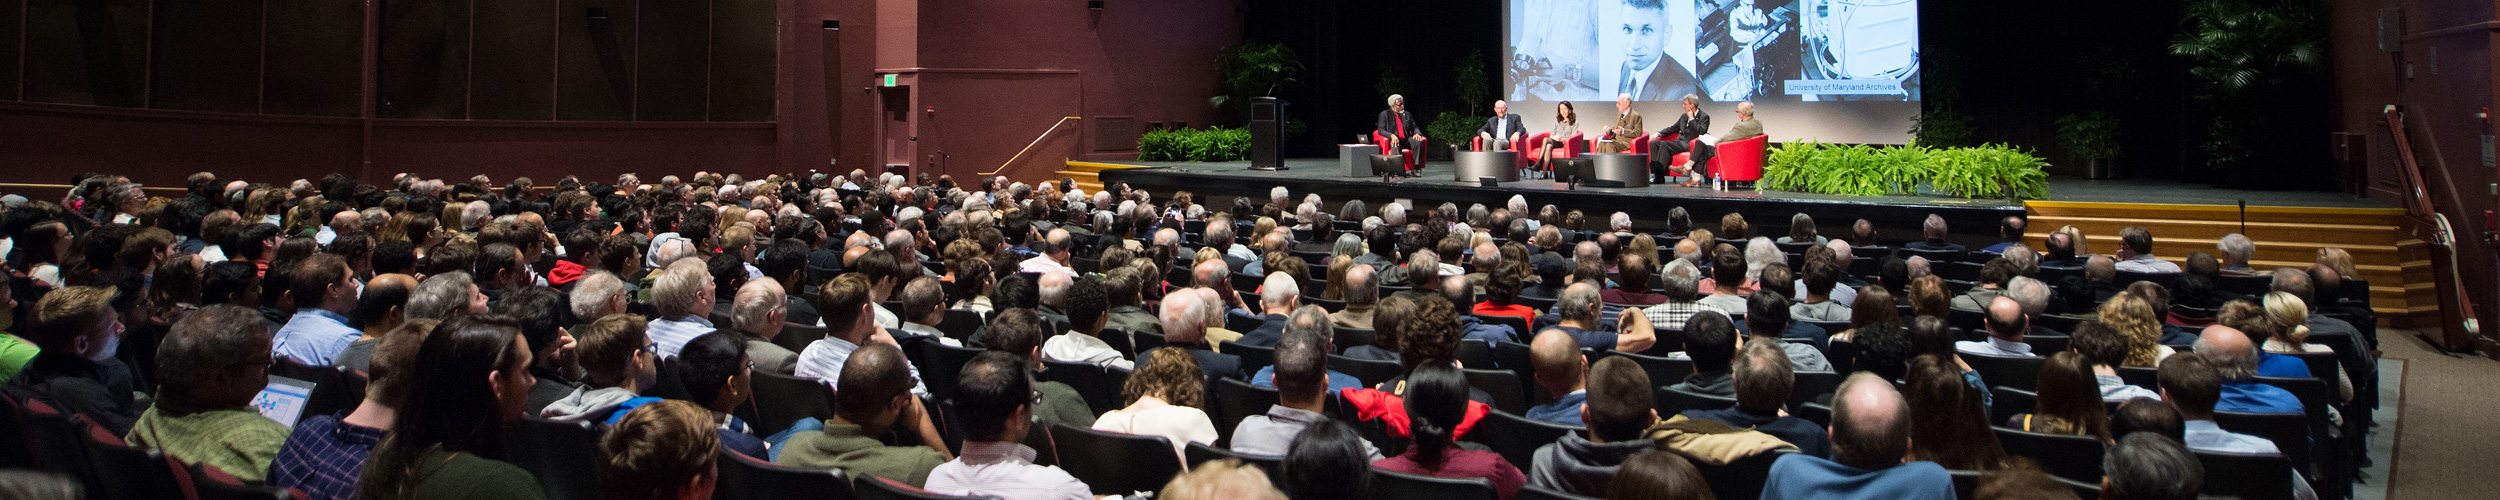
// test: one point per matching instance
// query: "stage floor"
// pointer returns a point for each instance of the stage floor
(1437, 175)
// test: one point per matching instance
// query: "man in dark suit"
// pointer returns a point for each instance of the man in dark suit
(1648, 74)
(1680, 138)
(1502, 131)
(1401, 129)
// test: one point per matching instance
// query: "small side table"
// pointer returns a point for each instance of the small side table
(1354, 160)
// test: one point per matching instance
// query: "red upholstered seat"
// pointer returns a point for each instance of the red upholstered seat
(1571, 147)
(1741, 159)
(1408, 155)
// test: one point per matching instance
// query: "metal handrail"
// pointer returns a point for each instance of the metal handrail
(1037, 141)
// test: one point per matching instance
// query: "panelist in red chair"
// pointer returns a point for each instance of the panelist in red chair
(1566, 128)
(1682, 137)
(1627, 127)
(1503, 131)
(1402, 131)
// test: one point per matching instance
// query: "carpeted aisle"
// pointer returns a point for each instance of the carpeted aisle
(2445, 435)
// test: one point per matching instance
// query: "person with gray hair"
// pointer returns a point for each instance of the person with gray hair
(1308, 321)
(668, 248)
(445, 296)
(1934, 232)
(598, 295)
(475, 215)
(1581, 310)
(1393, 214)
(1761, 253)
(1919, 267)
(1184, 324)
(1619, 222)
(2150, 466)
(2236, 250)
(1362, 291)
(758, 313)
(1278, 297)
(682, 295)
(1401, 132)
(1349, 245)
(218, 360)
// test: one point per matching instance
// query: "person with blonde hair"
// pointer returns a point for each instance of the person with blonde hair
(2134, 319)
(2290, 315)
(1226, 479)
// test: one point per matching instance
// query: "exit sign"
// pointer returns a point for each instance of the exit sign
(889, 80)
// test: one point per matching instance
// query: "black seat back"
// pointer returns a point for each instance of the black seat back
(959, 324)
(938, 363)
(2246, 475)
(1236, 400)
(1197, 454)
(1114, 463)
(1518, 325)
(1516, 437)
(125, 472)
(14, 454)
(2290, 432)
(1372, 373)
(1474, 353)
(2069, 456)
(781, 400)
(52, 438)
(1671, 401)
(563, 455)
(1809, 387)
(1099, 385)
(1662, 371)
(1741, 478)
(1348, 338)
(2010, 402)
(2008, 371)
(1503, 386)
(796, 337)
(748, 478)
(1392, 485)
(1252, 357)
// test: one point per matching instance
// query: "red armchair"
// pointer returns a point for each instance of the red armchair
(1571, 147)
(1413, 158)
(1740, 160)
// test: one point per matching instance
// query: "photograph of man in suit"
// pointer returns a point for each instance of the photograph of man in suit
(1401, 129)
(1503, 130)
(1627, 127)
(1647, 73)
(1679, 138)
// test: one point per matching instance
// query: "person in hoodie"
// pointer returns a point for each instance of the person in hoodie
(618, 362)
(1617, 413)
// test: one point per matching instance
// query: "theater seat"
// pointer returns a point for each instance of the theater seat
(1740, 160)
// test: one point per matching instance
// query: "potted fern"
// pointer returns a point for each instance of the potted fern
(2092, 137)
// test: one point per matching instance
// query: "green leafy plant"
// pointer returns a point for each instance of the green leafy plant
(1215, 144)
(1451, 130)
(1472, 89)
(1251, 70)
(2246, 58)
(2092, 135)
(1992, 171)
(1989, 171)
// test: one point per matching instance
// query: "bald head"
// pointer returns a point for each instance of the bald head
(1870, 423)
(1455, 288)
(2006, 319)
(2232, 355)
(1211, 273)
(871, 378)
(1559, 367)
(392, 280)
(1184, 321)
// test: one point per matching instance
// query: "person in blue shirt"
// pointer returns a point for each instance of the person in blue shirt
(1312, 320)
(1870, 445)
(2235, 359)
(1562, 371)
(325, 292)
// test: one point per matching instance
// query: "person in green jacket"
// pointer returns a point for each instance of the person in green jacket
(205, 416)
(873, 400)
(15, 351)
(448, 442)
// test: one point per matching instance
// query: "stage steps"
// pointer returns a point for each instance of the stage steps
(2384, 251)
(1088, 174)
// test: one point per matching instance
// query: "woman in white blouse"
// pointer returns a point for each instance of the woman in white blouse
(1163, 398)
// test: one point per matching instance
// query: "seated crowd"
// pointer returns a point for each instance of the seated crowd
(937, 319)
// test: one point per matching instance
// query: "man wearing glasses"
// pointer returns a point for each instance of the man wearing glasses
(205, 415)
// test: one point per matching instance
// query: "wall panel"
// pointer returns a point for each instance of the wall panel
(424, 59)
(86, 52)
(315, 58)
(595, 61)
(11, 11)
(743, 35)
(512, 73)
(207, 56)
(674, 62)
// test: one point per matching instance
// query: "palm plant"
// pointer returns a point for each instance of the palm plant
(2243, 55)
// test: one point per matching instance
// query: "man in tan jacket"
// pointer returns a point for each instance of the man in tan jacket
(1627, 127)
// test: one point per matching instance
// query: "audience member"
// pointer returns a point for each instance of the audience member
(2105, 350)
(325, 293)
(849, 324)
(2070, 400)
(1561, 370)
(615, 371)
(1184, 327)
(1657, 475)
(1710, 341)
(1764, 381)
(2131, 318)
(1087, 310)
(2135, 252)
(1933, 230)
(665, 451)
(2147, 466)
(1768, 323)
(1226, 479)
(79, 331)
(759, 314)
(1303, 386)
(1580, 310)
(1019, 331)
(872, 401)
(1617, 413)
(2235, 360)
(994, 394)
(718, 375)
(1164, 398)
(380, 308)
(1436, 402)
(1952, 425)
(682, 294)
(2147, 415)
(448, 440)
(2006, 326)
(1871, 446)
(1277, 298)
(324, 454)
(217, 360)
(1327, 461)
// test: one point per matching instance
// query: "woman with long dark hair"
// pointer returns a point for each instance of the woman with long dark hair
(1566, 123)
(2070, 400)
(448, 441)
(1436, 401)
(1952, 425)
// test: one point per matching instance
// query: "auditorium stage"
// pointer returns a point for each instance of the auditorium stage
(1649, 205)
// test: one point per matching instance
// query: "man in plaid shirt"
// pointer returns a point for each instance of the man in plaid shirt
(1683, 290)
